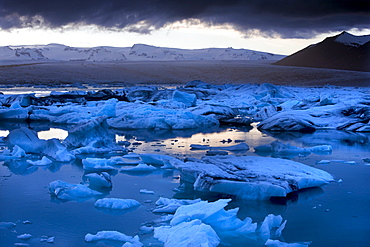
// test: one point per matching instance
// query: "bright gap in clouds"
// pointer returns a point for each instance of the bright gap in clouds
(177, 35)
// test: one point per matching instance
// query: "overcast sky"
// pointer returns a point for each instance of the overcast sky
(279, 26)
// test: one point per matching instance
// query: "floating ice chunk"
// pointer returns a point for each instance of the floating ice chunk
(116, 203)
(102, 179)
(43, 162)
(69, 192)
(193, 233)
(21, 244)
(220, 224)
(321, 149)
(98, 164)
(142, 167)
(27, 222)
(277, 243)
(30, 143)
(158, 160)
(186, 99)
(128, 159)
(26, 139)
(7, 225)
(211, 213)
(24, 236)
(109, 108)
(113, 235)
(271, 221)
(238, 147)
(18, 152)
(323, 162)
(146, 229)
(56, 150)
(267, 89)
(251, 177)
(150, 117)
(14, 113)
(166, 205)
(47, 239)
(145, 191)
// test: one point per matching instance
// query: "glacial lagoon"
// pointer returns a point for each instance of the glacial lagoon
(332, 215)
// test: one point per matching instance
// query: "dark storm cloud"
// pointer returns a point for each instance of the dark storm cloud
(288, 18)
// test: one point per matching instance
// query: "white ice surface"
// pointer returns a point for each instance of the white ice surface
(208, 224)
(116, 203)
(102, 179)
(27, 140)
(113, 235)
(71, 192)
(251, 177)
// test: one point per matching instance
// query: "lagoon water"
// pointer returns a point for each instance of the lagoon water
(335, 215)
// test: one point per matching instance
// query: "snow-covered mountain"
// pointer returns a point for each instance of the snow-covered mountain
(344, 51)
(138, 52)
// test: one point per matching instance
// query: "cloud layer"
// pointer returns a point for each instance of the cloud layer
(286, 18)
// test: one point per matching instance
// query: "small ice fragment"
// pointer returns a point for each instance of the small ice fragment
(277, 243)
(350, 162)
(21, 244)
(323, 162)
(116, 203)
(142, 167)
(145, 191)
(146, 229)
(18, 152)
(340, 180)
(113, 235)
(102, 179)
(27, 222)
(47, 239)
(327, 210)
(50, 240)
(24, 236)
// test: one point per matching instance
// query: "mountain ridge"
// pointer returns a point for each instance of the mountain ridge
(138, 52)
(343, 51)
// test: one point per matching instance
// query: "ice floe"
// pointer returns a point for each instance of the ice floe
(209, 224)
(140, 168)
(114, 235)
(102, 179)
(250, 177)
(116, 203)
(27, 140)
(169, 206)
(71, 192)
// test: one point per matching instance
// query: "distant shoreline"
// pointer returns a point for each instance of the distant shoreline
(54, 74)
